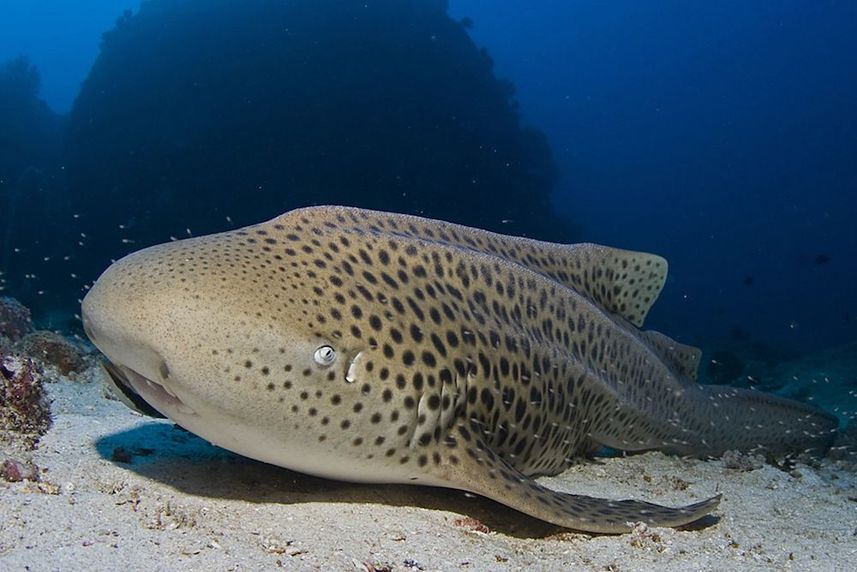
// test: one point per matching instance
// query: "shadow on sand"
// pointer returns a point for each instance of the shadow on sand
(170, 455)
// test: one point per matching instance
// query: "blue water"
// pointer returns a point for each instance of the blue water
(720, 135)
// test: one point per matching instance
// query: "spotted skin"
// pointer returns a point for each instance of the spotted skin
(457, 357)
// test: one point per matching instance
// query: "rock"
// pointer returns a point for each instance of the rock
(24, 408)
(15, 320)
(824, 378)
(53, 349)
(15, 471)
(742, 462)
(6, 345)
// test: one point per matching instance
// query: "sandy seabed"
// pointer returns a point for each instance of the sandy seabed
(121, 492)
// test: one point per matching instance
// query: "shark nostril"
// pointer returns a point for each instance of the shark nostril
(164, 370)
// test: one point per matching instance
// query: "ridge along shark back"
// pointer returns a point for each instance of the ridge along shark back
(376, 347)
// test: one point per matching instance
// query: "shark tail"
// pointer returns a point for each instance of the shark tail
(708, 420)
(754, 421)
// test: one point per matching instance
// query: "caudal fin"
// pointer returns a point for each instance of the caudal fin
(486, 473)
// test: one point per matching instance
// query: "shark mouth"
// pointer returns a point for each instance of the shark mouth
(142, 394)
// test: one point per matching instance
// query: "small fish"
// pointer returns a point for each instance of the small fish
(821, 260)
(748, 281)
(378, 347)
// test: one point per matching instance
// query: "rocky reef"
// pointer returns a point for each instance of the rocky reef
(47, 349)
(15, 319)
(30, 180)
(53, 349)
(30, 360)
(824, 378)
(24, 408)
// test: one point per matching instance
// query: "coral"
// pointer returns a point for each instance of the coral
(53, 349)
(24, 407)
(15, 321)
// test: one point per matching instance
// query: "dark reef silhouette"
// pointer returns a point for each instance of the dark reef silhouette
(202, 115)
(207, 109)
(29, 130)
(30, 145)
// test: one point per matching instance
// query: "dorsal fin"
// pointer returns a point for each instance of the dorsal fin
(682, 358)
(623, 282)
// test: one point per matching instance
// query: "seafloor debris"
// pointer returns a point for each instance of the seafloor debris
(24, 408)
(15, 321)
(53, 349)
(15, 471)
(472, 525)
(742, 462)
(371, 566)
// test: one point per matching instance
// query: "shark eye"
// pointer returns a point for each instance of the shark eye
(324, 355)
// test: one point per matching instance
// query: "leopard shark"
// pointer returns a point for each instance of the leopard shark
(376, 347)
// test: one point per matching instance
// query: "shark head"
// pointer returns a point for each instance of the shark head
(230, 336)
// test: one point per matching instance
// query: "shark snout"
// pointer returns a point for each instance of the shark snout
(124, 320)
(114, 315)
